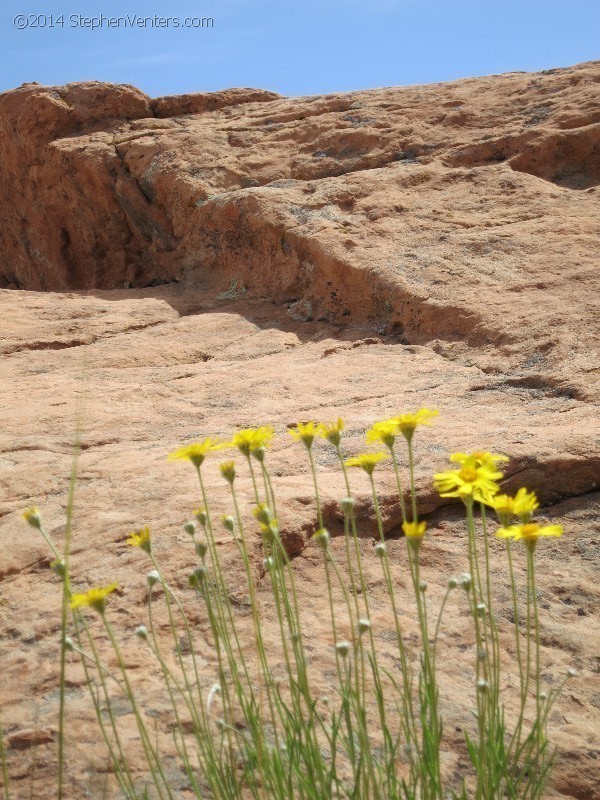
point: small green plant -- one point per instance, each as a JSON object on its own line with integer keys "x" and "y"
{"x": 242, "y": 731}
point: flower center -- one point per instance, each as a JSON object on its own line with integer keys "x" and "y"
{"x": 468, "y": 474}
{"x": 530, "y": 529}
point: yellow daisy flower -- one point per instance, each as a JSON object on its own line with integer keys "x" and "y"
{"x": 94, "y": 598}
{"x": 305, "y": 432}
{"x": 196, "y": 453}
{"x": 414, "y": 530}
{"x": 473, "y": 480}
{"x": 227, "y": 469}
{"x": 504, "y": 506}
{"x": 525, "y": 504}
{"x": 529, "y": 532}
{"x": 140, "y": 538}
{"x": 384, "y": 432}
{"x": 249, "y": 440}
{"x": 481, "y": 457}
{"x": 407, "y": 423}
{"x": 32, "y": 517}
{"x": 366, "y": 461}
{"x": 332, "y": 431}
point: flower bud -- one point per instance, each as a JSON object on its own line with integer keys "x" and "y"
{"x": 201, "y": 549}
{"x": 571, "y": 672}
{"x": 453, "y": 583}
{"x": 228, "y": 523}
{"x": 268, "y": 563}
{"x": 343, "y": 648}
{"x": 262, "y": 512}
{"x": 152, "y": 578}
{"x": 379, "y": 550}
{"x": 141, "y": 632}
{"x": 228, "y": 471}
{"x": 466, "y": 581}
{"x": 423, "y": 586}
{"x": 59, "y": 567}
{"x": 197, "y": 577}
{"x": 482, "y": 685}
{"x": 481, "y": 609}
{"x": 347, "y": 504}
{"x": 321, "y": 538}
{"x": 215, "y": 689}
{"x": 481, "y": 654}
{"x": 543, "y": 696}
{"x": 270, "y": 531}
{"x": 32, "y": 517}
{"x": 363, "y": 625}
{"x": 190, "y": 527}
{"x": 201, "y": 516}
{"x": 68, "y": 643}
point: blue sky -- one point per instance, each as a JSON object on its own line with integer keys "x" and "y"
{"x": 294, "y": 46}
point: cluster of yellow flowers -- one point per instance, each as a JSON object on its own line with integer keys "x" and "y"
{"x": 475, "y": 480}
{"x": 249, "y": 441}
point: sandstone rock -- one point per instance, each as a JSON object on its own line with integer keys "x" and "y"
{"x": 347, "y": 255}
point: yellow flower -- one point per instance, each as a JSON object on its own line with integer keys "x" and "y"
{"x": 305, "y": 432}
{"x": 414, "y": 530}
{"x": 94, "y": 598}
{"x": 525, "y": 504}
{"x": 196, "y": 453}
{"x": 481, "y": 457}
{"x": 473, "y": 480}
{"x": 366, "y": 461}
{"x": 269, "y": 530}
{"x": 504, "y": 506}
{"x": 32, "y": 517}
{"x": 140, "y": 538}
{"x": 522, "y": 505}
{"x": 262, "y": 512}
{"x": 408, "y": 422}
{"x": 321, "y": 538}
{"x": 332, "y": 431}
{"x": 529, "y": 532}
{"x": 384, "y": 432}
{"x": 227, "y": 469}
{"x": 251, "y": 440}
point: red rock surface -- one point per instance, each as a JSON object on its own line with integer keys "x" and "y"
{"x": 353, "y": 255}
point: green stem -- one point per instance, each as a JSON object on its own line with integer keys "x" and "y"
{"x": 409, "y": 720}
{"x": 151, "y": 756}
{"x": 4, "y": 761}
{"x": 66, "y": 596}
{"x": 398, "y": 482}
{"x": 413, "y": 491}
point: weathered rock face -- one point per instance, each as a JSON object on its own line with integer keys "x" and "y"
{"x": 348, "y": 255}
{"x": 438, "y": 213}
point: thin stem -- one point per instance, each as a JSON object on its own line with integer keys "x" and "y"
{"x": 66, "y": 596}
{"x": 4, "y": 762}
{"x": 151, "y": 755}
{"x": 413, "y": 491}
